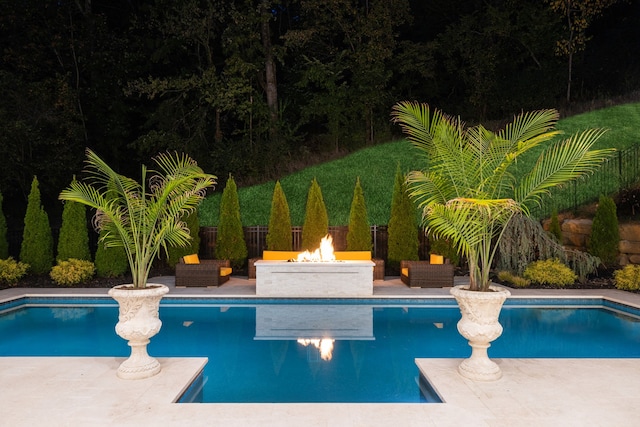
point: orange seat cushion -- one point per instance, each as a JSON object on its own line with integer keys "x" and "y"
{"x": 405, "y": 272}
{"x": 279, "y": 255}
{"x": 191, "y": 259}
{"x": 436, "y": 259}
{"x": 353, "y": 255}
{"x": 225, "y": 271}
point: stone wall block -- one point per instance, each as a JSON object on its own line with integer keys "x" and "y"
{"x": 629, "y": 247}
{"x": 577, "y": 226}
{"x": 574, "y": 239}
{"x": 630, "y": 231}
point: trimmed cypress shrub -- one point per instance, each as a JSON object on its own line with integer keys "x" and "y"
{"x": 73, "y": 241}
{"x": 279, "y": 235}
{"x": 230, "y": 242}
{"x": 176, "y": 252}
{"x": 359, "y": 234}
{"x": 554, "y": 226}
{"x": 316, "y": 220}
{"x": 4, "y": 243}
{"x": 443, "y": 247}
{"x": 110, "y": 262}
{"x": 605, "y": 235}
{"x": 403, "y": 242}
{"x": 37, "y": 241}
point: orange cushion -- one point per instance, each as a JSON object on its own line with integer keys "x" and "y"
{"x": 225, "y": 271}
{"x": 436, "y": 259}
{"x": 405, "y": 272}
{"x": 191, "y": 259}
{"x": 279, "y": 255}
{"x": 353, "y": 255}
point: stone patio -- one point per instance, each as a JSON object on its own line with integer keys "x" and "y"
{"x": 67, "y": 391}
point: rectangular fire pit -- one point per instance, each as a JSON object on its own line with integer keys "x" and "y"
{"x": 314, "y": 279}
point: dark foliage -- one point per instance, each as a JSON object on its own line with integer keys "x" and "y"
{"x": 605, "y": 235}
{"x": 316, "y": 219}
{"x": 359, "y": 234}
{"x": 230, "y": 242}
{"x": 279, "y": 235}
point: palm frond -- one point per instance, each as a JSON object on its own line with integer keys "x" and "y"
{"x": 563, "y": 162}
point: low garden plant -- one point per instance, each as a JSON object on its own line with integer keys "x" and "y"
{"x": 510, "y": 278}
{"x": 72, "y": 272}
{"x": 11, "y": 271}
{"x": 628, "y": 277}
{"x": 550, "y": 272}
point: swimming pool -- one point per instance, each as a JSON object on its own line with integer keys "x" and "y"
{"x": 255, "y": 356}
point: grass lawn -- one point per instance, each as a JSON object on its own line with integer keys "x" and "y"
{"x": 376, "y": 168}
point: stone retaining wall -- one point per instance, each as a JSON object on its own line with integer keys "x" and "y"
{"x": 576, "y": 232}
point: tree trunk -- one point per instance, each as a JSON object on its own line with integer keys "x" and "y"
{"x": 270, "y": 69}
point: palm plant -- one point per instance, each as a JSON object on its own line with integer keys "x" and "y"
{"x": 469, "y": 189}
{"x": 142, "y": 220}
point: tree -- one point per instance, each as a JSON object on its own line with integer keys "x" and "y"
{"x": 346, "y": 53}
{"x": 37, "y": 241}
{"x": 73, "y": 240}
{"x": 174, "y": 253}
{"x": 493, "y": 52}
{"x": 604, "y": 240}
{"x": 402, "y": 230}
{"x": 554, "y": 226}
{"x": 279, "y": 236}
{"x": 4, "y": 243}
{"x": 359, "y": 234}
{"x": 110, "y": 261}
{"x": 578, "y": 16}
{"x": 316, "y": 219}
{"x": 468, "y": 192}
{"x": 230, "y": 242}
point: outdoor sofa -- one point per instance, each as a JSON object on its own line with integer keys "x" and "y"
{"x": 424, "y": 274}
{"x": 191, "y": 271}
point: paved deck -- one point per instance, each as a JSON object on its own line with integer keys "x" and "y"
{"x": 68, "y": 391}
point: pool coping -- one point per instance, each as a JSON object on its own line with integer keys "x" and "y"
{"x": 532, "y": 391}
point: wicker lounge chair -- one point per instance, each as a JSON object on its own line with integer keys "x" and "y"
{"x": 423, "y": 274}
{"x": 208, "y": 272}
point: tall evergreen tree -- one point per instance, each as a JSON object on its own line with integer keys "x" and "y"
{"x": 402, "y": 231}
{"x": 110, "y": 262}
{"x": 37, "y": 241}
{"x": 176, "y": 252}
{"x": 605, "y": 234}
{"x": 230, "y": 242}
{"x": 4, "y": 243}
{"x": 73, "y": 241}
{"x": 359, "y": 234}
{"x": 316, "y": 219}
{"x": 279, "y": 235}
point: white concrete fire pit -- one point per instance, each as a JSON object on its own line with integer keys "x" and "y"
{"x": 322, "y": 279}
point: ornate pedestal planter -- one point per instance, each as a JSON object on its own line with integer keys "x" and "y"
{"x": 137, "y": 322}
{"x": 479, "y": 324}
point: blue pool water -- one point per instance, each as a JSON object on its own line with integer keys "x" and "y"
{"x": 254, "y": 355}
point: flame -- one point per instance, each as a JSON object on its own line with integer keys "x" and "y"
{"x": 325, "y": 345}
{"x": 323, "y": 253}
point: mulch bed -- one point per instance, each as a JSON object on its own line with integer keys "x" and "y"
{"x": 44, "y": 281}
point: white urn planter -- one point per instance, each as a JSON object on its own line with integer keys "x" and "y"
{"x": 138, "y": 321}
{"x": 479, "y": 324}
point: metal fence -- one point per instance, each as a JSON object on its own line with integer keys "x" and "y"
{"x": 256, "y": 240}
{"x": 619, "y": 172}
